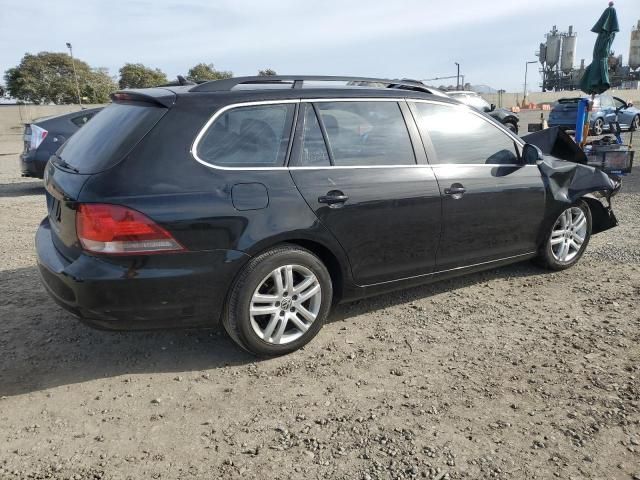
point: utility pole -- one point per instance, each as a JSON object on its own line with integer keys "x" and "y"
{"x": 458, "y": 76}
{"x": 526, "y": 67}
{"x": 73, "y": 63}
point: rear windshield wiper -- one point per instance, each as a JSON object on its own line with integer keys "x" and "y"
{"x": 62, "y": 163}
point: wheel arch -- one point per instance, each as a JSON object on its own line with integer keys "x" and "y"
{"x": 328, "y": 257}
{"x": 330, "y": 254}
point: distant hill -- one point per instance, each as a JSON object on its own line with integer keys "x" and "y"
{"x": 483, "y": 89}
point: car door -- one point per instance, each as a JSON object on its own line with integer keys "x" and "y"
{"x": 355, "y": 165}
{"x": 625, "y": 116}
{"x": 608, "y": 109}
{"x": 492, "y": 204}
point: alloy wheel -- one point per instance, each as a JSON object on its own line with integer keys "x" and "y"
{"x": 635, "y": 124}
{"x": 568, "y": 234}
{"x": 598, "y": 127}
{"x": 285, "y": 304}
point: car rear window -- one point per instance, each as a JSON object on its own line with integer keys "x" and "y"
{"x": 568, "y": 101}
{"x": 109, "y": 136}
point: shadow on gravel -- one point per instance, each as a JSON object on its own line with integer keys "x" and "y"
{"x": 42, "y": 346}
{"x": 21, "y": 189}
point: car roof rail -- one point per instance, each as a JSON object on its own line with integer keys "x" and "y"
{"x": 297, "y": 81}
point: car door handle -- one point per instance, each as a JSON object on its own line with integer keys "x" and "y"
{"x": 333, "y": 197}
{"x": 455, "y": 190}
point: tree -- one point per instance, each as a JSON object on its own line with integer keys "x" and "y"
{"x": 204, "y": 72}
{"x": 267, "y": 72}
{"x": 136, "y": 75}
{"x": 48, "y": 78}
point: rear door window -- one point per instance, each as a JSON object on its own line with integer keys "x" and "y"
{"x": 250, "y": 136}
{"x": 366, "y": 133}
{"x": 314, "y": 150}
{"x": 110, "y": 136}
{"x": 462, "y": 137}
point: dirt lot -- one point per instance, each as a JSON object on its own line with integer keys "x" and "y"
{"x": 514, "y": 373}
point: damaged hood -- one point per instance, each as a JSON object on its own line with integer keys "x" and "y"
{"x": 564, "y": 167}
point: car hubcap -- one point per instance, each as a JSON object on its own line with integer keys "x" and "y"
{"x": 636, "y": 123}
{"x": 568, "y": 234}
{"x": 597, "y": 127}
{"x": 285, "y": 304}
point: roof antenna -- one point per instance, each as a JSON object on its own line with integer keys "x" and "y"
{"x": 184, "y": 81}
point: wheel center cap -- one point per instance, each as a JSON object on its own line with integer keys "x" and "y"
{"x": 286, "y": 303}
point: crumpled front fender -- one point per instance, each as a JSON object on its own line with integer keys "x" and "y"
{"x": 567, "y": 182}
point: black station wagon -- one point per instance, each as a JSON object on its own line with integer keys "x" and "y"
{"x": 260, "y": 202}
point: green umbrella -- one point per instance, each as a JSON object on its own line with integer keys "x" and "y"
{"x": 596, "y": 76}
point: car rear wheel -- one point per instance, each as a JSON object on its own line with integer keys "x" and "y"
{"x": 598, "y": 126}
{"x": 279, "y": 301}
{"x": 568, "y": 238}
{"x": 635, "y": 123}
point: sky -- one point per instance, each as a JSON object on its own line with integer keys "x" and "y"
{"x": 393, "y": 39}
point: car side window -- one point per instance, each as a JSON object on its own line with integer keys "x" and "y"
{"x": 82, "y": 119}
{"x": 366, "y": 133}
{"x": 314, "y": 150}
{"x": 250, "y": 136}
{"x": 462, "y": 137}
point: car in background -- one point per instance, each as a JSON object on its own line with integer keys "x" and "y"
{"x": 502, "y": 115}
{"x": 605, "y": 110}
{"x": 45, "y": 135}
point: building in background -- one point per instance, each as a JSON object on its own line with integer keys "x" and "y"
{"x": 558, "y": 69}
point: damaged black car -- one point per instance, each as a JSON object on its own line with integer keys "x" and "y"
{"x": 260, "y": 202}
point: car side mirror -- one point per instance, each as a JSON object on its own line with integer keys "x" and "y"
{"x": 493, "y": 107}
{"x": 531, "y": 154}
{"x": 629, "y": 105}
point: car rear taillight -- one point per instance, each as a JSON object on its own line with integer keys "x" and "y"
{"x": 38, "y": 134}
{"x": 113, "y": 229}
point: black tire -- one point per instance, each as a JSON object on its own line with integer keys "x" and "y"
{"x": 598, "y": 127}
{"x": 635, "y": 124}
{"x": 546, "y": 257}
{"x": 513, "y": 126}
{"x": 237, "y": 319}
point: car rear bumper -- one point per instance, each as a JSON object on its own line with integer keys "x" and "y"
{"x": 154, "y": 291}
{"x": 30, "y": 166}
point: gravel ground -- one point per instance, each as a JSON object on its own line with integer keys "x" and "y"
{"x": 514, "y": 373}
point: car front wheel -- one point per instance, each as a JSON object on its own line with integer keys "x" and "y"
{"x": 568, "y": 238}
{"x": 598, "y": 127}
{"x": 635, "y": 123}
{"x": 279, "y": 301}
